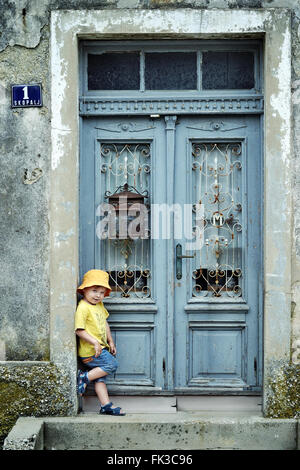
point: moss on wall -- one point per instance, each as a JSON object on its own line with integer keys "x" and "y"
{"x": 283, "y": 398}
{"x": 32, "y": 390}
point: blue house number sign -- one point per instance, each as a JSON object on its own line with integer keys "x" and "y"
{"x": 26, "y": 96}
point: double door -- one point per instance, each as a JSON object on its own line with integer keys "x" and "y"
{"x": 185, "y": 270}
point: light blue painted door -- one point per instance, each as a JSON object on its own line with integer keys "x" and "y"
{"x": 184, "y": 325}
{"x": 115, "y": 152}
{"x": 217, "y": 298}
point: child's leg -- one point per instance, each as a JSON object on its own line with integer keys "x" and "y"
{"x": 85, "y": 377}
{"x": 96, "y": 373}
{"x": 102, "y": 394}
{"x": 109, "y": 363}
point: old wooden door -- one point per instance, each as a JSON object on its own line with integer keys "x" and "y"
{"x": 176, "y": 127}
{"x": 217, "y": 295}
{"x": 181, "y": 324}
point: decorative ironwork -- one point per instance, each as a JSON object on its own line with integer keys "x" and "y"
{"x": 130, "y": 281}
{"x": 217, "y": 180}
{"x": 125, "y": 170}
{"x": 128, "y": 193}
{"x": 125, "y": 163}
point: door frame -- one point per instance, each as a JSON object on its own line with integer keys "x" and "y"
{"x": 67, "y": 27}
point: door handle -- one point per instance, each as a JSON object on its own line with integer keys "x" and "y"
{"x": 179, "y": 258}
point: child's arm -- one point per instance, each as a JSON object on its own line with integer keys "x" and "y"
{"x": 89, "y": 339}
{"x": 110, "y": 341}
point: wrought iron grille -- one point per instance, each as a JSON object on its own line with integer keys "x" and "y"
{"x": 127, "y": 259}
{"x": 217, "y": 184}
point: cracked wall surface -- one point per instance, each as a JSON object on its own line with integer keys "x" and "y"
{"x": 24, "y": 246}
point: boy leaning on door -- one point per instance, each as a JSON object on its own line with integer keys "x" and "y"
{"x": 96, "y": 349}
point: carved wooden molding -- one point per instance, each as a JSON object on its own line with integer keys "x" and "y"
{"x": 204, "y": 105}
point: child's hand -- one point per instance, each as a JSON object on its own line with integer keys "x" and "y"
{"x": 112, "y": 348}
{"x": 98, "y": 349}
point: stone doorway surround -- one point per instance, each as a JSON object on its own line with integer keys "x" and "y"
{"x": 67, "y": 27}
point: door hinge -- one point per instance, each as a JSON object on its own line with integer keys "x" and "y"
{"x": 255, "y": 365}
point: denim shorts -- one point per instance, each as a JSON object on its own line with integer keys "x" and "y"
{"x": 106, "y": 361}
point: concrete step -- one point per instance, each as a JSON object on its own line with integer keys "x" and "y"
{"x": 165, "y": 404}
{"x": 158, "y": 431}
{"x": 133, "y": 404}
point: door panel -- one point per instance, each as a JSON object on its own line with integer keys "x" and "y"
{"x": 217, "y": 300}
{"x": 199, "y": 330}
{"x": 216, "y": 352}
{"x": 135, "y": 354}
{"x": 115, "y": 152}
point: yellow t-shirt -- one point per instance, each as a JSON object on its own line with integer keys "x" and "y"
{"x": 92, "y": 319}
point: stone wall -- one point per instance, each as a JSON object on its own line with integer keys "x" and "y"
{"x": 32, "y": 389}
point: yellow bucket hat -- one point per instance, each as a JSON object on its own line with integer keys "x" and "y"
{"x": 95, "y": 277}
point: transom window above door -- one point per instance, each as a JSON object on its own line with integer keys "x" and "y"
{"x": 153, "y": 67}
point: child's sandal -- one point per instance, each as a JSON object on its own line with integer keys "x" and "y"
{"x": 108, "y": 410}
{"x": 82, "y": 381}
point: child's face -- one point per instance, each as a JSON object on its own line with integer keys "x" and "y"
{"x": 94, "y": 294}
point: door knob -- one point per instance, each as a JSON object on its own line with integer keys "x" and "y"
{"x": 179, "y": 258}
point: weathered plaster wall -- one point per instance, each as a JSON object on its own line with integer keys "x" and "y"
{"x": 295, "y": 310}
{"x": 24, "y": 191}
{"x": 25, "y": 172}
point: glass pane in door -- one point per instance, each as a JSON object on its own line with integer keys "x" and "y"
{"x": 217, "y": 185}
{"x": 125, "y": 172}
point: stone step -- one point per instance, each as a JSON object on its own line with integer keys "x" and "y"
{"x": 133, "y": 404}
{"x": 165, "y": 404}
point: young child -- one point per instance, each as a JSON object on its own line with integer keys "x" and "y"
{"x": 96, "y": 348}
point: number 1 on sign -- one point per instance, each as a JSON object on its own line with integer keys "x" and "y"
{"x": 25, "y": 90}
